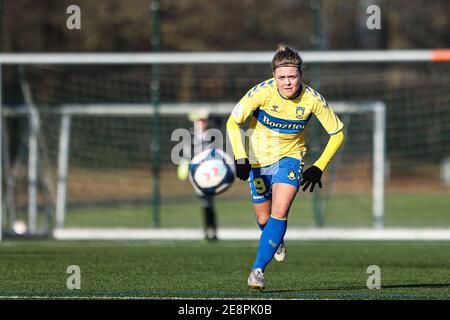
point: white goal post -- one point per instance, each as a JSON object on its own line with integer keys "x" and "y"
{"x": 67, "y": 112}
{"x": 371, "y": 56}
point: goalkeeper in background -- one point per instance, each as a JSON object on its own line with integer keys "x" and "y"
{"x": 279, "y": 110}
{"x": 201, "y": 122}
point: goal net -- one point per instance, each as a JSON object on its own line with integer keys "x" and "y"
{"x": 90, "y": 146}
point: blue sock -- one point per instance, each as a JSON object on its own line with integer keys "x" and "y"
{"x": 261, "y": 226}
{"x": 271, "y": 238}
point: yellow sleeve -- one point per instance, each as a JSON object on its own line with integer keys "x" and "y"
{"x": 252, "y": 100}
{"x": 326, "y": 116}
{"x": 331, "y": 148}
{"x": 249, "y": 103}
{"x": 235, "y": 136}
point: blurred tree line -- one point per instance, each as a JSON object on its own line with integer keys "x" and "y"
{"x": 244, "y": 25}
{"x": 194, "y": 25}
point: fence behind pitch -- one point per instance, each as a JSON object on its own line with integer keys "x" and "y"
{"x": 115, "y": 180}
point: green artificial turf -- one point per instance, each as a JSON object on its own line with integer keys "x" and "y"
{"x": 401, "y": 210}
{"x": 196, "y": 269}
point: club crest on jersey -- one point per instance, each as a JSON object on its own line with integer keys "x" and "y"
{"x": 275, "y": 108}
{"x": 299, "y": 112}
{"x": 291, "y": 175}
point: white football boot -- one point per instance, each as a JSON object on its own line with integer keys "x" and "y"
{"x": 256, "y": 279}
{"x": 281, "y": 252}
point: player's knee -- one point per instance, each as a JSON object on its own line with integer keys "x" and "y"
{"x": 280, "y": 210}
{"x": 262, "y": 219}
{"x": 280, "y": 214}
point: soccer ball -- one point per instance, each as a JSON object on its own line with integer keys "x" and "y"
{"x": 20, "y": 227}
{"x": 211, "y": 172}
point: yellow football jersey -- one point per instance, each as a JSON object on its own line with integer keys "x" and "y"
{"x": 277, "y": 123}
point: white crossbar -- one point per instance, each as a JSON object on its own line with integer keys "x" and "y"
{"x": 365, "y": 56}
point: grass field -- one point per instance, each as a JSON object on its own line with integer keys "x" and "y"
{"x": 401, "y": 210}
{"x": 158, "y": 269}
{"x": 195, "y": 269}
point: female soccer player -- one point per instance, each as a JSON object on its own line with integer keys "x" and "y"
{"x": 280, "y": 108}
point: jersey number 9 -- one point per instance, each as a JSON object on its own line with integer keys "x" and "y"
{"x": 259, "y": 185}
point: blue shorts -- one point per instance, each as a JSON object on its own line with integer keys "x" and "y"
{"x": 286, "y": 170}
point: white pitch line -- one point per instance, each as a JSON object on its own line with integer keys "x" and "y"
{"x": 137, "y": 298}
{"x": 429, "y": 234}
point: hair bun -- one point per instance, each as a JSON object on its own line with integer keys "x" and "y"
{"x": 285, "y": 57}
{"x": 281, "y": 47}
